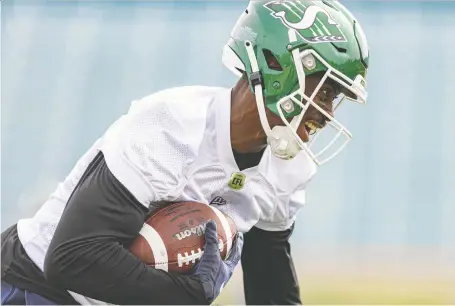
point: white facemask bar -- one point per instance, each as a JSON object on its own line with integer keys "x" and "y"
{"x": 333, "y": 123}
{"x": 355, "y": 87}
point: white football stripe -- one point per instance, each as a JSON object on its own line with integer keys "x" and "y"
{"x": 157, "y": 245}
{"x": 226, "y": 227}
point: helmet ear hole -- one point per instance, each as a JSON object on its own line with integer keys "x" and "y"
{"x": 272, "y": 61}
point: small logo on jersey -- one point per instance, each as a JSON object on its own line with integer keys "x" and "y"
{"x": 218, "y": 201}
{"x": 237, "y": 181}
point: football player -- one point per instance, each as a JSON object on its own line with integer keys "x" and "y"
{"x": 250, "y": 150}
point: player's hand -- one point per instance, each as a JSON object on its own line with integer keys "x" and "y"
{"x": 213, "y": 272}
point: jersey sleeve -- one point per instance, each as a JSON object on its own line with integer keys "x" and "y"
{"x": 283, "y": 219}
{"x": 297, "y": 201}
{"x": 285, "y": 192}
{"x": 149, "y": 148}
{"x": 88, "y": 253}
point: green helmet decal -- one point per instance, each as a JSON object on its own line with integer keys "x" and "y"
{"x": 313, "y": 23}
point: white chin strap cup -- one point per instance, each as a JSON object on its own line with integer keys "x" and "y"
{"x": 282, "y": 143}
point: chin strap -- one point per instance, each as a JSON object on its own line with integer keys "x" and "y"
{"x": 257, "y": 82}
{"x": 280, "y": 139}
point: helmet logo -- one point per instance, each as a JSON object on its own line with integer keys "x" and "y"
{"x": 313, "y": 23}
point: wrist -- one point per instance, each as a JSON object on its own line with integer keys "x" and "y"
{"x": 203, "y": 291}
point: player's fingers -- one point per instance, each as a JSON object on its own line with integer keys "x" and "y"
{"x": 209, "y": 261}
{"x": 236, "y": 252}
{"x": 211, "y": 237}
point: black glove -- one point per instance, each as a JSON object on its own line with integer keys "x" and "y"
{"x": 213, "y": 272}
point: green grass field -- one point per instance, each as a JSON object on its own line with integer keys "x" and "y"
{"x": 427, "y": 278}
{"x": 322, "y": 291}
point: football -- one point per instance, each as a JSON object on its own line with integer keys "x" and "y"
{"x": 172, "y": 239}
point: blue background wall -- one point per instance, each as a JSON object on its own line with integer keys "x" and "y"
{"x": 70, "y": 69}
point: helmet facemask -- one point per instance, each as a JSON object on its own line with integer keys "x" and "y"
{"x": 284, "y": 141}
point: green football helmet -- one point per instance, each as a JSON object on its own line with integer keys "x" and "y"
{"x": 305, "y": 37}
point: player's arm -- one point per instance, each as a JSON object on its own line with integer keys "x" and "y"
{"x": 88, "y": 253}
{"x": 268, "y": 270}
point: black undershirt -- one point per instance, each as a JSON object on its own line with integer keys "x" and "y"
{"x": 88, "y": 253}
{"x": 269, "y": 276}
{"x": 247, "y": 160}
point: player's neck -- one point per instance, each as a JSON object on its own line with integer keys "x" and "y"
{"x": 247, "y": 134}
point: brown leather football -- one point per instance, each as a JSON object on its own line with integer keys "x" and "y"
{"x": 172, "y": 239}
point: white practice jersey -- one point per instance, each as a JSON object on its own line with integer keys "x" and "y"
{"x": 175, "y": 146}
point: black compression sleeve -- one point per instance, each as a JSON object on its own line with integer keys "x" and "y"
{"x": 88, "y": 252}
{"x": 268, "y": 270}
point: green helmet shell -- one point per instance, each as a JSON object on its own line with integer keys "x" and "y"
{"x": 327, "y": 27}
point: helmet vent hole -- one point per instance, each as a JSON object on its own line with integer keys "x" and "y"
{"x": 246, "y": 11}
{"x": 272, "y": 61}
{"x": 339, "y": 49}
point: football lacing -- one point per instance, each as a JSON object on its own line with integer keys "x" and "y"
{"x": 186, "y": 258}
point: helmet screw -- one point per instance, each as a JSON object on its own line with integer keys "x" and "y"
{"x": 289, "y": 47}
{"x": 276, "y": 84}
{"x": 309, "y": 62}
{"x": 288, "y": 107}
